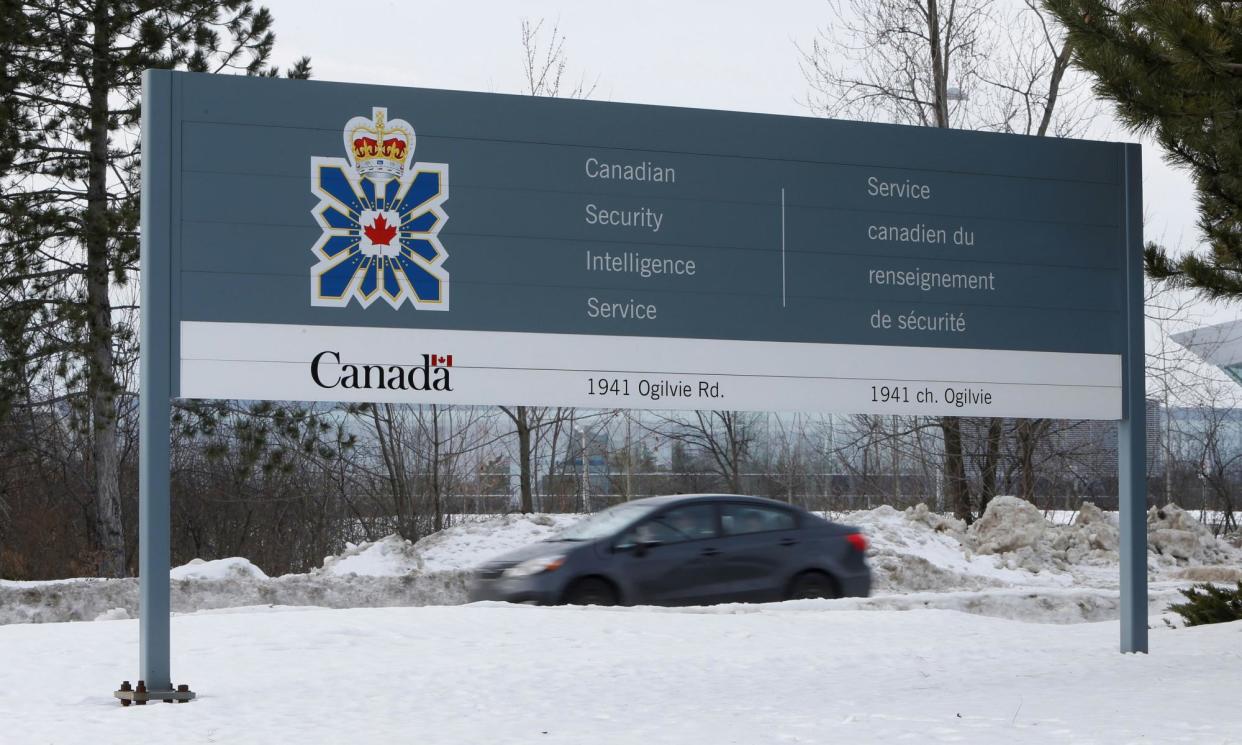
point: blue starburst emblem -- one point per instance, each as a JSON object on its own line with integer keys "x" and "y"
{"x": 381, "y": 217}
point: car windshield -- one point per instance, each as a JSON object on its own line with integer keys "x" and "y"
{"x": 606, "y": 523}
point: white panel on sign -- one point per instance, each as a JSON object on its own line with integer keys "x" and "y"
{"x": 336, "y": 363}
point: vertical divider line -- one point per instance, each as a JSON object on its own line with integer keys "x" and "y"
{"x": 782, "y": 247}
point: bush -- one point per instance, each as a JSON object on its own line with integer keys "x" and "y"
{"x": 1208, "y": 603}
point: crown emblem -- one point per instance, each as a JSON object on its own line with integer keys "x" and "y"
{"x": 380, "y": 212}
{"x": 377, "y": 147}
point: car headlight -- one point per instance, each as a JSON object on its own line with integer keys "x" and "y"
{"x": 534, "y": 566}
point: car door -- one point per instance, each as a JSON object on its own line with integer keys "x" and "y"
{"x": 758, "y": 547}
{"x": 671, "y": 557}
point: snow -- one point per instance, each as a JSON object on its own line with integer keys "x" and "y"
{"x": 916, "y": 550}
{"x": 1003, "y": 631}
{"x": 232, "y": 568}
{"x": 391, "y": 556}
{"x": 1175, "y": 535}
{"x": 802, "y": 672}
{"x": 1012, "y": 563}
{"x": 471, "y": 543}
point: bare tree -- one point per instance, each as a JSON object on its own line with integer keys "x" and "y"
{"x": 725, "y": 437}
{"x": 417, "y": 459}
{"x": 529, "y": 422}
{"x": 1174, "y": 373}
{"x": 544, "y": 63}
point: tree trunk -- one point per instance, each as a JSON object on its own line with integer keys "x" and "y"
{"x": 388, "y": 440}
{"x": 101, "y": 378}
{"x": 438, "y": 505}
{"x": 735, "y": 457}
{"x": 1029, "y": 433}
{"x": 894, "y": 451}
{"x": 987, "y": 472}
{"x": 955, "y": 482}
{"x": 523, "y": 432}
{"x": 939, "y": 65}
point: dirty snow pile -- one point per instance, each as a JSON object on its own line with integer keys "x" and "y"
{"x": 391, "y": 571}
{"x": 917, "y": 551}
{"x": 1013, "y": 545}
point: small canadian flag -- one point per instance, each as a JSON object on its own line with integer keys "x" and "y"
{"x": 442, "y": 360}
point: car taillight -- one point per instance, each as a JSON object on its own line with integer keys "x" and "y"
{"x": 858, "y": 541}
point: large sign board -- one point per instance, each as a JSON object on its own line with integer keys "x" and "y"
{"x": 301, "y": 241}
{"x": 350, "y": 242}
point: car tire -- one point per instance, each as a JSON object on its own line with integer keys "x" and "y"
{"x": 591, "y": 591}
{"x": 813, "y": 585}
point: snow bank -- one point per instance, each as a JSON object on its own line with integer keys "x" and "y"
{"x": 1018, "y": 534}
{"x": 116, "y": 614}
{"x": 1008, "y": 524}
{"x": 231, "y": 568}
{"x": 469, "y": 544}
{"x": 1179, "y": 538}
{"x": 919, "y": 551}
{"x": 391, "y": 556}
{"x": 90, "y": 599}
{"x": 1013, "y": 545}
{"x": 1011, "y": 563}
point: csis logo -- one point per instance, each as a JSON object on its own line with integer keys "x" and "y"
{"x": 433, "y": 374}
{"x": 380, "y": 216}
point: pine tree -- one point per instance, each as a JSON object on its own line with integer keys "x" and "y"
{"x": 1207, "y": 603}
{"x": 69, "y": 112}
{"x": 1174, "y": 70}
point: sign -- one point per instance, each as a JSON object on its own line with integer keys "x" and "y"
{"x": 300, "y": 241}
{"x": 615, "y": 255}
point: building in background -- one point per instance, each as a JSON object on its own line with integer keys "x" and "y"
{"x": 1219, "y": 345}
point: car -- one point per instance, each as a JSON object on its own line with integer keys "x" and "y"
{"x": 694, "y": 549}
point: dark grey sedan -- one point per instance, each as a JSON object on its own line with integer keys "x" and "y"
{"x": 684, "y": 550}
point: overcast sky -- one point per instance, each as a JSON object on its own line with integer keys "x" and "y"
{"x": 739, "y": 55}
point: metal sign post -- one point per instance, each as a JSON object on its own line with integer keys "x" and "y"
{"x": 1132, "y": 431}
{"x": 154, "y": 397}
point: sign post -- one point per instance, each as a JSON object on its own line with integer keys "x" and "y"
{"x": 1132, "y": 431}
{"x": 154, "y": 396}
{"x": 334, "y": 242}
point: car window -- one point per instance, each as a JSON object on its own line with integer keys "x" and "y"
{"x": 739, "y": 519}
{"x": 605, "y": 523}
{"x": 689, "y": 523}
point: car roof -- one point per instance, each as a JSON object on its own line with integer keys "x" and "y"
{"x": 669, "y": 499}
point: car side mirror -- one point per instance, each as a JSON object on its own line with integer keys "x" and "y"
{"x": 642, "y": 547}
{"x": 639, "y": 548}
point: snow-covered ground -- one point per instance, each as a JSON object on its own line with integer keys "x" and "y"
{"x": 799, "y": 672}
{"x": 999, "y": 632}
{"x": 1013, "y": 563}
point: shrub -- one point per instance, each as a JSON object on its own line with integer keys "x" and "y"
{"x": 1208, "y": 603}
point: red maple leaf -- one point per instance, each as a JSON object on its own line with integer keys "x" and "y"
{"x": 380, "y": 232}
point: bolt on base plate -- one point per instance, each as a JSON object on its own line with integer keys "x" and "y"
{"x": 140, "y": 695}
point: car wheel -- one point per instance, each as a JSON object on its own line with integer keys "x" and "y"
{"x": 591, "y": 591}
{"x": 813, "y": 585}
